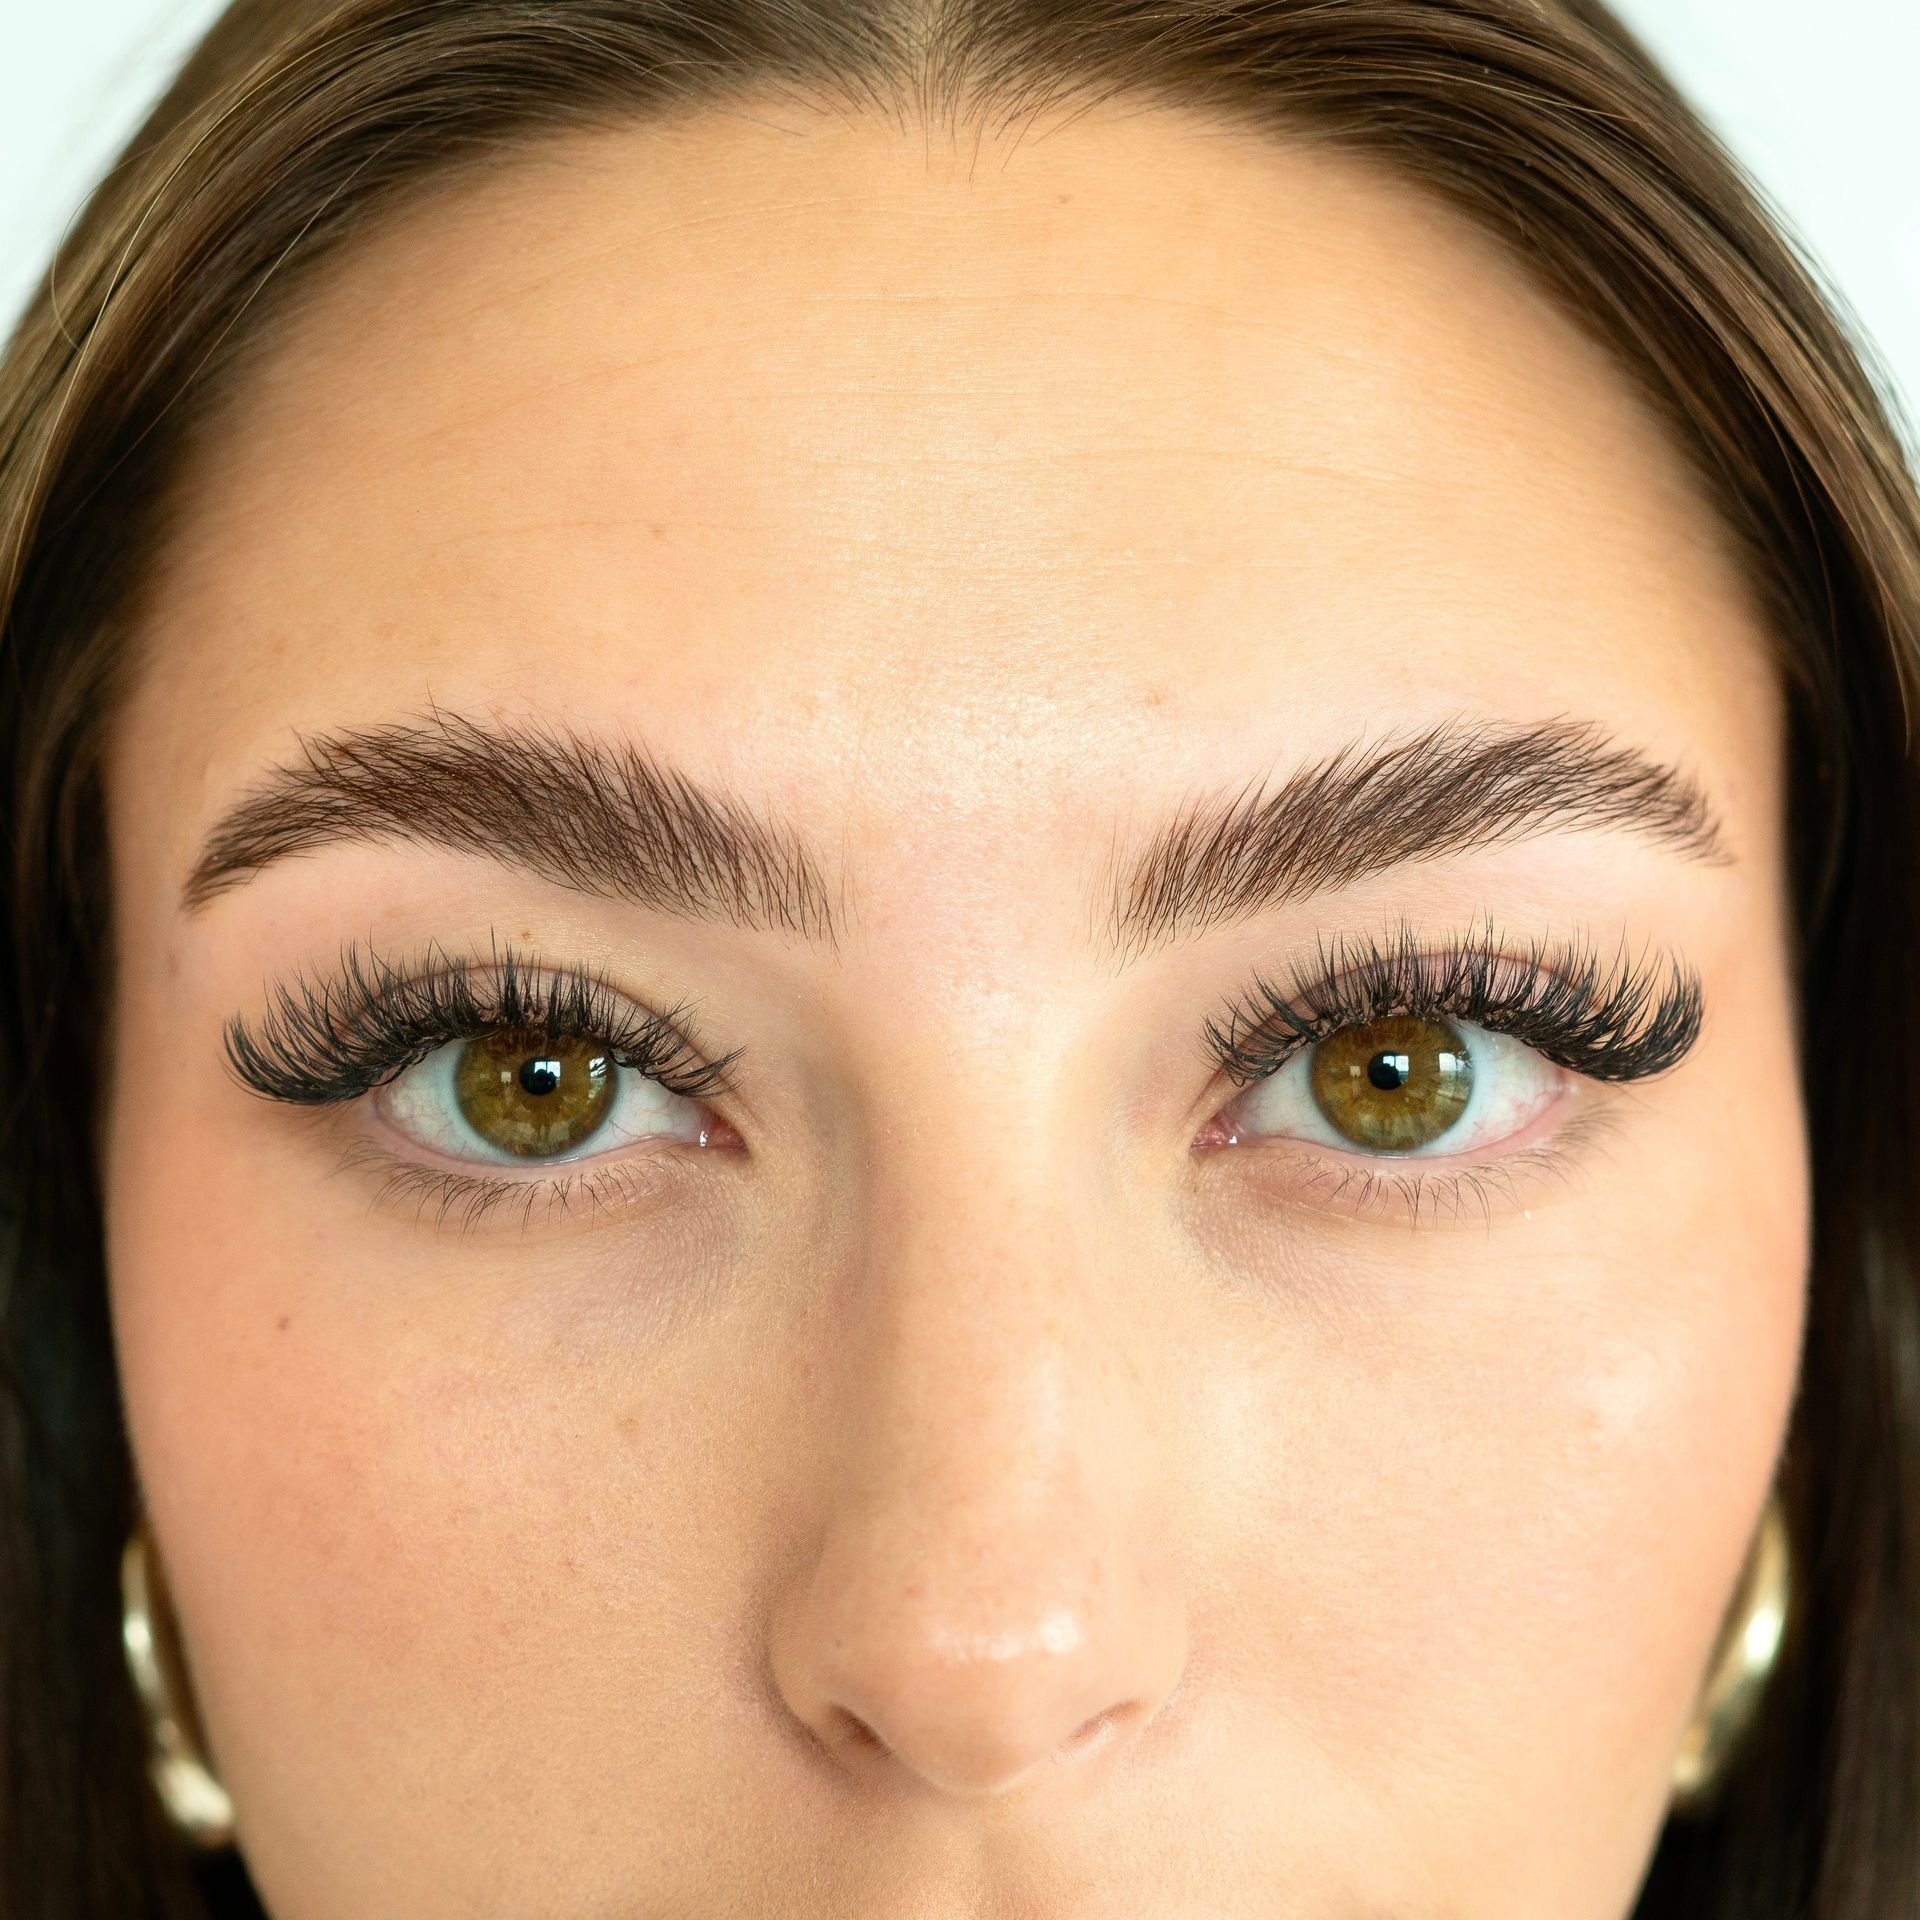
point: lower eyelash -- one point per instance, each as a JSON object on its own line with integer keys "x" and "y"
{"x": 445, "y": 1198}
{"x": 1452, "y": 1196}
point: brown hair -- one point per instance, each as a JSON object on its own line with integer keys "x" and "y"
{"x": 298, "y": 119}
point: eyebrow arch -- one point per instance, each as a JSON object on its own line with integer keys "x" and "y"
{"x": 1453, "y": 789}
{"x": 607, "y": 820}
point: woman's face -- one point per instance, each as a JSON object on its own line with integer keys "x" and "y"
{"x": 1128, "y": 1235}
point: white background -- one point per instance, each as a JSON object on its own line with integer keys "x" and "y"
{"x": 1817, "y": 96}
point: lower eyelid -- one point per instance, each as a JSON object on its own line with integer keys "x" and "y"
{"x": 1424, "y": 1190}
{"x": 469, "y": 1196}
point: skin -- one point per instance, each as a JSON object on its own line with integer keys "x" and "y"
{"x": 970, "y": 506}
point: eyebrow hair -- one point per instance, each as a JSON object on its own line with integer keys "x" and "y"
{"x": 603, "y": 819}
{"x": 1452, "y": 789}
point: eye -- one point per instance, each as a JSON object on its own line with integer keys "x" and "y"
{"x": 519, "y": 1096}
{"x": 1410, "y": 1084}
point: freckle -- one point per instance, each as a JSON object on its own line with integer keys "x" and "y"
{"x": 658, "y": 529}
{"x": 1155, "y": 697}
{"x": 286, "y": 1320}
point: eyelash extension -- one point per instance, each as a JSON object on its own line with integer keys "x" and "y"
{"x": 1616, "y": 1020}
{"x": 322, "y": 1043}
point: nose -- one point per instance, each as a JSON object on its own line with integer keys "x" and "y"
{"x": 988, "y": 1596}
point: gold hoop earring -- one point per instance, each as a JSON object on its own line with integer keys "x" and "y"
{"x": 194, "y": 1800}
{"x": 1743, "y": 1661}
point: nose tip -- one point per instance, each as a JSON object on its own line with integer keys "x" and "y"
{"x": 974, "y": 1711}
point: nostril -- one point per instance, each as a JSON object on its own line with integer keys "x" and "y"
{"x": 1091, "y": 1732}
{"x": 855, "y": 1733}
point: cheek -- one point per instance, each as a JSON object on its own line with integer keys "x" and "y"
{"x": 413, "y": 1515}
{"x": 1634, "y": 1458}
{"x": 1627, "y": 1532}
{"x": 1494, "y": 1485}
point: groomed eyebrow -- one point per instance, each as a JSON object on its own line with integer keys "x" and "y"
{"x": 605, "y": 819}
{"x": 1453, "y": 789}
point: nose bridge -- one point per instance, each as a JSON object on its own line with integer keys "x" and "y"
{"x": 991, "y": 1334}
{"x": 987, "y": 1591}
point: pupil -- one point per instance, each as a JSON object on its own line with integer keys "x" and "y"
{"x": 538, "y": 1075}
{"x": 1389, "y": 1072}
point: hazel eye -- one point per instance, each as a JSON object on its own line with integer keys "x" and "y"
{"x": 1392, "y": 1086}
{"x": 530, "y": 1096}
{"x": 524, "y": 1096}
{"x": 1404, "y": 1085}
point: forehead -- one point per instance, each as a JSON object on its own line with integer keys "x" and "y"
{"x": 826, "y": 452}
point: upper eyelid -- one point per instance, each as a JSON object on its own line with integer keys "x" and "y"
{"x": 300, "y": 1013}
{"x": 1647, "y": 1012}
{"x": 314, "y": 1028}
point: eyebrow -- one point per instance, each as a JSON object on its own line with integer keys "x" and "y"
{"x": 1452, "y": 789}
{"x": 610, "y": 820}
{"x": 600, "y": 818}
